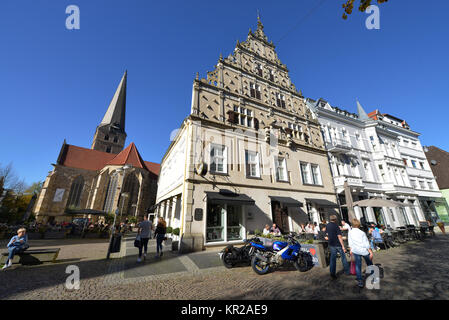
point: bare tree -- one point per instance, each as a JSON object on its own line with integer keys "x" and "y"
{"x": 11, "y": 180}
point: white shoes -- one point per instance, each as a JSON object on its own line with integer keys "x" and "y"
{"x": 7, "y": 265}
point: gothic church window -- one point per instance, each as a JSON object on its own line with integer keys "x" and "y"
{"x": 75, "y": 192}
{"x": 110, "y": 194}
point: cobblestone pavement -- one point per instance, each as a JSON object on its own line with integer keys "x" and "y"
{"x": 416, "y": 270}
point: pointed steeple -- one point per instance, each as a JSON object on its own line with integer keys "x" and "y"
{"x": 115, "y": 115}
{"x": 361, "y": 112}
{"x": 110, "y": 135}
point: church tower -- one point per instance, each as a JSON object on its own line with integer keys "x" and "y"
{"x": 110, "y": 135}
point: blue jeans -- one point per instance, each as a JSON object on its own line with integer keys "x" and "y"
{"x": 159, "y": 239}
{"x": 12, "y": 251}
{"x": 358, "y": 264}
{"x": 143, "y": 245}
{"x": 333, "y": 262}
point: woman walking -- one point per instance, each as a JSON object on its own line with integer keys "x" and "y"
{"x": 16, "y": 245}
{"x": 360, "y": 247}
{"x": 160, "y": 235}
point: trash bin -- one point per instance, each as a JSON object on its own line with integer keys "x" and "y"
{"x": 115, "y": 244}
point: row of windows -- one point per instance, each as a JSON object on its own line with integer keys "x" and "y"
{"x": 310, "y": 173}
{"x": 259, "y": 71}
{"x": 255, "y": 92}
{"x": 414, "y": 163}
{"x": 106, "y": 138}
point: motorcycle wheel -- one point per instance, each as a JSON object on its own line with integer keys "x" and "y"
{"x": 227, "y": 260}
{"x": 301, "y": 264}
{"x": 258, "y": 268}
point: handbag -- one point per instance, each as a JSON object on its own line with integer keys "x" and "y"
{"x": 137, "y": 241}
{"x": 352, "y": 268}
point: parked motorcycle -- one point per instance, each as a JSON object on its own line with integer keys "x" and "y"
{"x": 266, "y": 258}
{"x": 230, "y": 256}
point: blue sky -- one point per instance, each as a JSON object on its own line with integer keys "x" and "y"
{"x": 56, "y": 83}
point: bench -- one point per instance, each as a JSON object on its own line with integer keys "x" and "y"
{"x": 31, "y": 257}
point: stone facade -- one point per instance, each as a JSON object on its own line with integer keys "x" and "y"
{"x": 247, "y": 107}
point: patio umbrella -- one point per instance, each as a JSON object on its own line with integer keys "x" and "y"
{"x": 349, "y": 201}
{"x": 379, "y": 202}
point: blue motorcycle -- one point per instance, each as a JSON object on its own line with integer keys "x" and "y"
{"x": 266, "y": 258}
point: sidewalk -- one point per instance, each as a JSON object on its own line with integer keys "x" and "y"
{"x": 170, "y": 263}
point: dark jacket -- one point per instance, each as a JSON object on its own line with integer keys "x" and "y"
{"x": 160, "y": 229}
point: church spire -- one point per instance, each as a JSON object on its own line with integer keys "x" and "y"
{"x": 115, "y": 115}
{"x": 110, "y": 135}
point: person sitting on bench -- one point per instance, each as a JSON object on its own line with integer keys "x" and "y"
{"x": 16, "y": 245}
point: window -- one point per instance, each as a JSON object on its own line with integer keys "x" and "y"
{"x": 368, "y": 173}
{"x": 280, "y": 100}
{"x": 422, "y": 184}
{"x": 108, "y": 149}
{"x": 218, "y": 163}
{"x": 414, "y": 164}
{"x": 421, "y": 164}
{"x": 430, "y": 184}
{"x": 413, "y": 183}
{"x": 255, "y": 91}
{"x": 110, "y": 194}
{"x": 316, "y": 176}
{"x": 405, "y": 161}
{"x": 252, "y": 164}
{"x": 244, "y": 116}
{"x": 259, "y": 69}
{"x": 75, "y": 192}
{"x": 224, "y": 222}
{"x": 106, "y": 137}
{"x": 305, "y": 174}
{"x": 271, "y": 73}
{"x": 281, "y": 169}
{"x": 115, "y": 139}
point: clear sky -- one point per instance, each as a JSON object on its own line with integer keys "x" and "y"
{"x": 56, "y": 84}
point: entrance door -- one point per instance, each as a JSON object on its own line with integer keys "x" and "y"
{"x": 280, "y": 216}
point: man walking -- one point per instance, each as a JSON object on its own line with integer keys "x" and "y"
{"x": 336, "y": 244}
{"x": 145, "y": 233}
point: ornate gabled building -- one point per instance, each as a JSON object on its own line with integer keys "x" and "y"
{"x": 94, "y": 180}
{"x": 250, "y": 153}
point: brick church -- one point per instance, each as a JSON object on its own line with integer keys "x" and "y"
{"x": 102, "y": 179}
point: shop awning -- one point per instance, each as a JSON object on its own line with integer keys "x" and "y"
{"x": 322, "y": 203}
{"x": 287, "y": 201}
{"x": 230, "y": 198}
